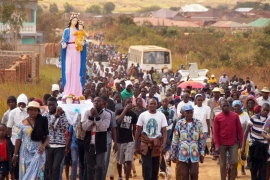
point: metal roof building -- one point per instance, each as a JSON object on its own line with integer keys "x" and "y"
{"x": 193, "y": 8}
{"x": 261, "y": 22}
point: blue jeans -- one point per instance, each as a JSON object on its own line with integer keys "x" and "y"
{"x": 107, "y": 159}
{"x": 74, "y": 157}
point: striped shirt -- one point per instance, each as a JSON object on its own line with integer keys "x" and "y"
{"x": 257, "y": 123}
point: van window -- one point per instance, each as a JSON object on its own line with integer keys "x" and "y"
{"x": 156, "y": 57}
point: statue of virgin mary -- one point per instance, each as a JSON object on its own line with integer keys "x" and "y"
{"x": 73, "y": 61}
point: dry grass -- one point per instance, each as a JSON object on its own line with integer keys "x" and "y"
{"x": 259, "y": 75}
{"x": 130, "y": 6}
{"x": 48, "y": 76}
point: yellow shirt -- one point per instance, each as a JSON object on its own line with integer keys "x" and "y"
{"x": 212, "y": 80}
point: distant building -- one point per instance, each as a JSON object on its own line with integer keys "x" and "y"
{"x": 259, "y": 23}
{"x": 28, "y": 33}
{"x": 163, "y": 22}
{"x": 245, "y": 11}
{"x": 191, "y": 9}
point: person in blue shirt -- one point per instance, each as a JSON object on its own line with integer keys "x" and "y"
{"x": 74, "y": 151}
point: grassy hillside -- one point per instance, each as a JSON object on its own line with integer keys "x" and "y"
{"x": 129, "y": 6}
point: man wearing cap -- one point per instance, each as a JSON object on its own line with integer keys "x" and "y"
{"x": 55, "y": 91}
{"x": 223, "y": 78}
{"x": 188, "y": 145}
{"x": 15, "y": 116}
{"x": 163, "y": 86}
{"x": 127, "y": 92}
{"x": 227, "y": 132}
{"x": 212, "y": 79}
{"x": 12, "y": 103}
{"x": 186, "y": 101}
{"x": 265, "y": 96}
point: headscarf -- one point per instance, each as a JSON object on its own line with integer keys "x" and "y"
{"x": 237, "y": 102}
{"x": 250, "y": 97}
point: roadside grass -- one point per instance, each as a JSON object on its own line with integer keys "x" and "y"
{"x": 49, "y": 75}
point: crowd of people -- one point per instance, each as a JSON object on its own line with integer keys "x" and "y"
{"x": 137, "y": 115}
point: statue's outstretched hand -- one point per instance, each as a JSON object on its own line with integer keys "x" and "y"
{"x": 64, "y": 45}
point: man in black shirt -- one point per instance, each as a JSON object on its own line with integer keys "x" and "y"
{"x": 111, "y": 104}
{"x": 126, "y": 125}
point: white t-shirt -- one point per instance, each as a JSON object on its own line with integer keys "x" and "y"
{"x": 152, "y": 123}
{"x": 202, "y": 113}
{"x": 261, "y": 101}
{"x": 181, "y": 105}
{"x": 223, "y": 79}
{"x": 15, "y": 116}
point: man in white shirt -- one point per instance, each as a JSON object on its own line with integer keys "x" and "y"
{"x": 15, "y": 116}
{"x": 265, "y": 96}
{"x": 185, "y": 101}
{"x": 153, "y": 125}
{"x": 223, "y": 78}
{"x": 163, "y": 86}
{"x": 202, "y": 112}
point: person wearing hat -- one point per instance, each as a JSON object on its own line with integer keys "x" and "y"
{"x": 32, "y": 132}
{"x": 55, "y": 91}
{"x": 212, "y": 79}
{"x": 223, "y": 79}
{"x": 163, "y": 86}
{"x": 188, "y": 145}
{"x": 185, "y": 101}
{"x": 227, "y": 132}
{"x": 265, "y": 96}
{"x": 127, "y": 92}
{"x": 249, "y": 103}
{"x": 132, "y": 79}
{"x": 12, "y": 103}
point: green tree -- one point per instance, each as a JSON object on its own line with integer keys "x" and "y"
{"x": 53, "y": 8}
{"x": 48, "y": 22}
{"x": 68, "y": 7}
{"x": 39, "y": 9}
{"x": 108, "y": 7}
{"x": 96, "y": 9}
{"x": 123, "y": 19}
{"x": 12, "y": 13}
{"x": 150, "y": 8}
{"x": 222, "y": 7}
{"x": 175, "y": 8}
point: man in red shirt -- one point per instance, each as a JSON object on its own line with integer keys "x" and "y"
{"x": 227, "y": 132}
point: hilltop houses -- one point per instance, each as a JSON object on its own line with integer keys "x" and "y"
{"x": 28, "y": 33}
{"x": 196, "y": 15}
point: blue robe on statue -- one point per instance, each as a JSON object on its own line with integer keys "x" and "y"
{"x": 63, "y": 59}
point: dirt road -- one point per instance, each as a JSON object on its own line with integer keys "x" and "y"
{"x": 209, "y": 170}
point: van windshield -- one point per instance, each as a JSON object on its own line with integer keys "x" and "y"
{"x": 156, "y": 57}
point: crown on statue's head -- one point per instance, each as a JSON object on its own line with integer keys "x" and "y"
{"x": 74, "y": 15}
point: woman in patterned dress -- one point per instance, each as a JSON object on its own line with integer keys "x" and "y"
{"x": 31, "y": 140}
